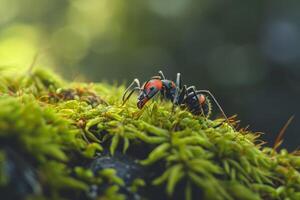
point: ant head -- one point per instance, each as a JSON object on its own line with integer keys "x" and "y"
{"x": 151, "y": 88}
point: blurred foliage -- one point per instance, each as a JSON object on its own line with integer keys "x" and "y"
{"x": 60, "y": 126}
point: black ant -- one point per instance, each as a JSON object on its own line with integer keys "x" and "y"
{"x": 195, "y": 101}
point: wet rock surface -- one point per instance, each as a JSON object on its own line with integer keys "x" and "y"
{"x": 127, "y": 169}
{"x": 20, "y": 177}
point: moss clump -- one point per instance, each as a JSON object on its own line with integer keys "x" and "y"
{"x": 58, "y": 128}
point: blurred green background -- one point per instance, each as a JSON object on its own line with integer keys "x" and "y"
{"x": 246, "y": 52}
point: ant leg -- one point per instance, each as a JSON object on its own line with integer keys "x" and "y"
{"x": 178, "y": 91}
{"x": 191, "y": 89}
{"x": 182, "y": 95}
{"x": 178, "y": 81}
{"x": 135, "y": 81}
{"x": 179, "y": 97}
{"x": 216, "y": 102}
{"x": 161, "y": 74}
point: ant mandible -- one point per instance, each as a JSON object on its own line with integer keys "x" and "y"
{"x": 195, "y": 101}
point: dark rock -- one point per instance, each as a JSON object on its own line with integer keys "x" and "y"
{"x": 126, "y": 167}
{"x": 21, "y": 179}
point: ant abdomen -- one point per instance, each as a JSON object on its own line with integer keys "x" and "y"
{"x": 198, "y": 108}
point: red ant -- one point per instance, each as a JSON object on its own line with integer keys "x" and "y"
{"x": 195, "y": 101}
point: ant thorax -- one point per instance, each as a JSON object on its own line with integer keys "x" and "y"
{"x": 169, "y": 89}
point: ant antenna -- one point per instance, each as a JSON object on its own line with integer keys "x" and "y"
{"x": 135, "y": 81}
{"x": 132, "y": 91}
{"x": 216, "y": 102}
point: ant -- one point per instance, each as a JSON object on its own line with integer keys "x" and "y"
{"x": 196, "y": 101}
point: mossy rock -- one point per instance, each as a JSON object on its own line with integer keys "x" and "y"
{"x": 59, "y": 130}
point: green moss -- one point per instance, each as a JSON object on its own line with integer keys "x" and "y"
{"x": 60, "y": 126}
